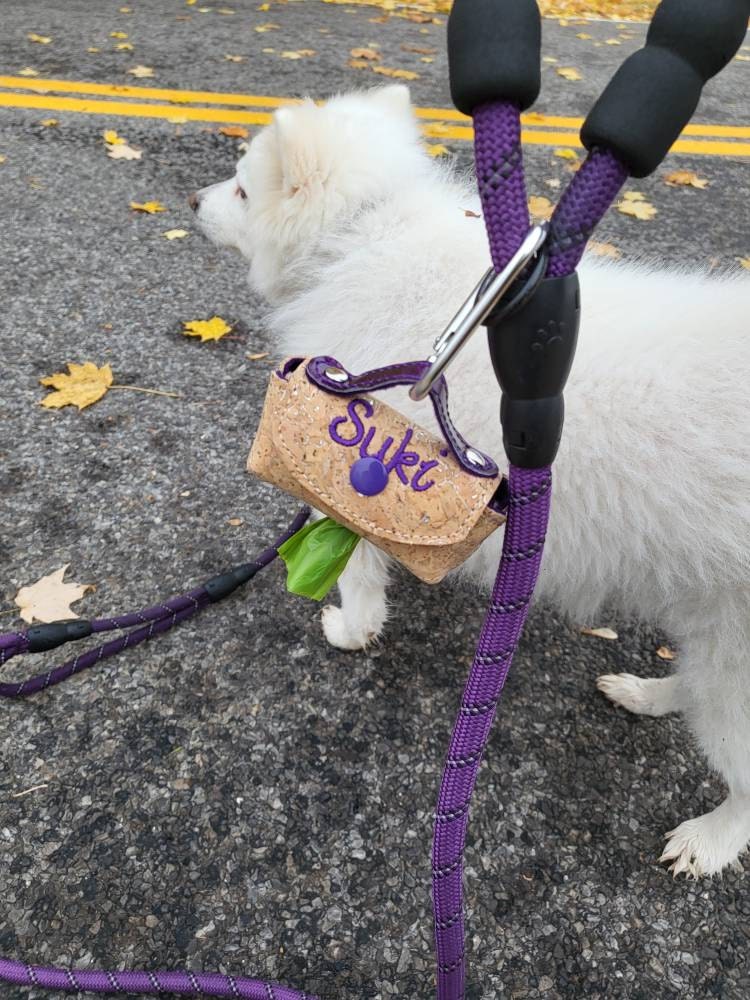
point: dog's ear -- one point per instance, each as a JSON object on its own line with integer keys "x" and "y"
{"x": 299, "y": 145}
{"x": 394, "y": 98}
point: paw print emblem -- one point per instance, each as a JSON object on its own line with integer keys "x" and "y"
{"x": 546, "y": 340}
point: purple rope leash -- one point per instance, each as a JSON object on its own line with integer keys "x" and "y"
{"x": 186, "y": 984}
{"x": 153, "y": 621}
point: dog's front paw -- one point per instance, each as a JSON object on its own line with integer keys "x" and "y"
{"x": 708, "y": 844}
{"x": 642, "y": 696}
{"x": 340, "y": 634}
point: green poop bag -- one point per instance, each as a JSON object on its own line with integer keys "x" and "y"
{"x": 316, "y": 556}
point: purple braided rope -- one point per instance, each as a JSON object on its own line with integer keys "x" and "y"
{"x": 154, "y": 620}
{"x": 528, "y": 511}
{"x": 499, "y": 167}
{"x": 588, "y": 196}
{"x": 186, "y": 984}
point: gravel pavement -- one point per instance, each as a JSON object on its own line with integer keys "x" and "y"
{"x": 237, "y": 795}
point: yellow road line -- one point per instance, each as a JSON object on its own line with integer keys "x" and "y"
{"x": 182, "y": 97}
{"x": 129, "y": 109}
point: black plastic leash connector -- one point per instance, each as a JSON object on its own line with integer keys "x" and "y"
{"x": 654, "y": 93}
{"x": 42, "y": 638}
{"x": 532, "y": 350}
{"x": 221, "y": 586}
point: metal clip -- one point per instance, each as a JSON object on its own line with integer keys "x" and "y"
{"x": 476, "y": 309}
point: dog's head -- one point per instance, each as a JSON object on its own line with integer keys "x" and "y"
{"x": 306, "y": 173}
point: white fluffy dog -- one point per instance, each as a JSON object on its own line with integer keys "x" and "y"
{"x": 363, "y": 247}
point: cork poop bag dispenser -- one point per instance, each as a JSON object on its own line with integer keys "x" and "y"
{"x": 427, "y": 502}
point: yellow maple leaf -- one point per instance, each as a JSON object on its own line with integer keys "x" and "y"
{"x": 207, "y": 329}
{"x": 83, "y": 385}
{"x": 686, "y": 178}
{"x": 540, "y": 208}
{"x": 235, "y": 131}
{"x": 569, "y": 73}
{"x": 642, "y": 210}
{"x": 176, "y": 234}
{"x": 150, "y": 207}
{"x": 40, "y": 39}
{"x": 28, "y": 71}
{"x": 436, "y": 149}
{"x": 370, "y": 54}
{"x": 437, "y": 130}
{"x": 118, "y": 34}
{"x": 112, "y": 138}
{"x": 397, "y": 74}
{"x": 141, "y": 71}
{"x": 566, "y": 153}
{"x": 49, "y": 599}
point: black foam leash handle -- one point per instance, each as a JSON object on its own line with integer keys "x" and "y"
{"x": 653, "y": 95}
{"x": 494, "y": 52}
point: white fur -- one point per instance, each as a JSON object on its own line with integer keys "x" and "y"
{"x": 363, "y": 247}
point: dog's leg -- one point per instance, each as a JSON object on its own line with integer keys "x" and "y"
{"x": 642, "y": 696}
{"x": 361, "y": 617}
{"x": 715, "y": 676}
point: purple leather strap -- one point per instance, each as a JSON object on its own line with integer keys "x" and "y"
{"x": 319, "y": 371}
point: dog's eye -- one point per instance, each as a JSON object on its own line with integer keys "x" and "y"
{"x": 241, "y": 192}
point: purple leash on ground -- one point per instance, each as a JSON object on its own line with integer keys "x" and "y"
{"x": 501, "y": 185}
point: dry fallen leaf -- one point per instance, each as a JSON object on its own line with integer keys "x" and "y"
{"x": 637, "y": 207}
{"x": 566, "y": 153}
{"x": 112, "y": 138}
{"x": 569, "y": 73}
{"x": 93, "y": 48}
{"x": 421, "y": 50}
{"x": 2, "y": 159}
{"x": 436, "y": 149}
{"x": 141, "y": 71}
{"x": 398, "y": 74}
{"x": 41, "y": 39}
{"x": 686, "y": 178}
{"x": 370, "y": 54}
{"x": 743, "y": 261}
{"x": 471, "y": 215}
{"x": 84, "y": 385}
{"x": 438, "y": 130}
{"x": 359, "y": 64}
{"x": 207, "y": 329}
{"x": 28, "y": 71}
{"x": 262, "y": 28}
{"x": 582, "y": 34}
{"x": 235, "y": 521}
{"x": 150, "y": 207}
{"x": 230, "y": 58}
{"x": 613, "y": 41}
{"x": 604, "y": 249}
{"x": 49, "y": 122}
{"x": 124, "y": 47}
{"x": 600, "y": 633}
{"x": 176, "y": 234}
{"x": 299, "y": 54}
{"x": 49, "y": 599}
{"x": 665, "y": 653}
{"x": 234, "y": 131}
{"x": 118, "y": 34}
{"x": 124, "y": 152}
{"x": 540, "y": 208}
{"x": 257, "y": 357}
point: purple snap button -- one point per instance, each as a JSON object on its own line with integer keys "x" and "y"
{"x": 368, "y": 476}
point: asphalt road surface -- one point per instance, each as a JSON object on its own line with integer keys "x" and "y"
{"x": 238, "y": 795}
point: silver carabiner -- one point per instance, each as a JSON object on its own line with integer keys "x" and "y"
{"x": 476, "y": 309}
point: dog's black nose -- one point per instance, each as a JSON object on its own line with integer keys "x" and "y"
{"x": 194, "y": 201}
